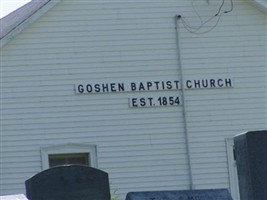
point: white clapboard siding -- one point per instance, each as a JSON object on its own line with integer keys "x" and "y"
{"x": 141, "y": 149}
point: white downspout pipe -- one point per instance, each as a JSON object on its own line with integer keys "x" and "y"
{"x": 180, "y": 66}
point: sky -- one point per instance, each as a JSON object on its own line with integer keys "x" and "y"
{"x": 7, "y": 6}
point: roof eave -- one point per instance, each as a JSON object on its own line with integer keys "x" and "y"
{"x": 14, "y": 23}
{"x": 17, "y": 21}
{"x": 259, "y": 4}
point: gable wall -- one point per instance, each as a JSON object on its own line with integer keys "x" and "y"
{"x": 141, "y": 149}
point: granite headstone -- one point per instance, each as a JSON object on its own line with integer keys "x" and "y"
{"x": 13, "y": 197}
{"x": 251, "y": 159}
{"x": 215, "y": 194}
{"x": 71, "y": 182}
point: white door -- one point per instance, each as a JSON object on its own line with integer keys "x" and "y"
{"x": 234, "y": 188}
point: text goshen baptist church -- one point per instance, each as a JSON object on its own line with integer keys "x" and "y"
{"x": 113, "y": 87}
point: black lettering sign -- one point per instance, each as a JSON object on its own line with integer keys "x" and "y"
{"x": 80, "y": 88}
{"x": 188, "y": 84}
{"x": 197, "y": 83}
{"x": 220, "y": 82}
{"x": 157, "y": 84}
{"x": 149, "y": 85}
{"x": 212, "y": 83}
{"x": 105, "y": 87}
{"x": 141, "y": 87}
{"x": 112, "y": 87}
{"x": 133, "y": 86}
{"x": 121, "y": 87}
{"x": 169, "y": 85}
{"x": 228, "y": 82}
{"x": 205, "y": 83}
{"x": 134, "y": 102}
{"x": 177, "y": 84}
{"x": 89, "y": 88}
{"x": 142, "y": 102}
{"x": 97, "y": 88}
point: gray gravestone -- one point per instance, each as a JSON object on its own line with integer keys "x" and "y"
{"x": 13, "y": 197}
{"x": 72, "y": 182}
{"x": 216, "y": 194}
{"x": 251, "y": 159}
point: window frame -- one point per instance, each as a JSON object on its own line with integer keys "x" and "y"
{"x": 69, "y": 148}
{"x": 232, "y": 169}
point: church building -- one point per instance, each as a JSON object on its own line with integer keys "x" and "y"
{"x": 151, "y": 92}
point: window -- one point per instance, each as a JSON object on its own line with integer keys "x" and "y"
{"x": 73, "y": 158}
{"x": 81, "y": 154}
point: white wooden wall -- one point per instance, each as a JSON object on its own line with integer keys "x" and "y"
{"x": 141, "y": 149}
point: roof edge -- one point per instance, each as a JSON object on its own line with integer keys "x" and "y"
{"x": 259, "y": 4}
{"x": 17, "y": 21}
